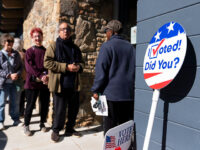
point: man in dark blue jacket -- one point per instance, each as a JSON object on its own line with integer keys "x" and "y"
{"x": 115, "y": 76}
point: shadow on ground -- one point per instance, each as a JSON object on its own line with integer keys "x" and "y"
{"x": 3, "y": 140}
{"x": 91, "y": 130}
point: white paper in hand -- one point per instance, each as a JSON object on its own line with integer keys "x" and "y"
{"x": 100, "y": 107}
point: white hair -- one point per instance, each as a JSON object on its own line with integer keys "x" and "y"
{"x": 18, "y": 44}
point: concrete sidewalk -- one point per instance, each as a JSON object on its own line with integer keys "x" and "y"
{"x": 13, "y": 138}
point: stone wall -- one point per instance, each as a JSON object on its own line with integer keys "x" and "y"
{"x": 44, "y": 14}
{"x": 86, "y": 18}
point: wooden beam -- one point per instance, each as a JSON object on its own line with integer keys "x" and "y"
{"x": 10, "y": 21}
{"x": 8, "y": 27}
{"x": 12, "y": 13}
{"x": 7, "y": 31}
{"x": 12, "y": 4}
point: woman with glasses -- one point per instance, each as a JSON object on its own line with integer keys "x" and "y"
{"x": 36, "y": 81}
{"x": 10, "y": 72}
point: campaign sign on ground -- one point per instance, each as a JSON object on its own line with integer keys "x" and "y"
{"x": 164, "y": 55}
{"x": 119, "y": 137}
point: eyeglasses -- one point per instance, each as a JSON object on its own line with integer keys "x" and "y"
{"x": 65, "y": 29}
{"x": 10, "y": 41}
{"x": 37, "y": 36}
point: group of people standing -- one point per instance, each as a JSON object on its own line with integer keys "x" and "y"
{"x": 57, "y": 70}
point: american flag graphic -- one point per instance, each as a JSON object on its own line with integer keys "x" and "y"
{"x": 110, "y": 142}
{"x": 167, "y": 31}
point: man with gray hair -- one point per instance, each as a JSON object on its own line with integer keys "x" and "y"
{"x": 115, "y": 76}
{"x": 64, "y": 61}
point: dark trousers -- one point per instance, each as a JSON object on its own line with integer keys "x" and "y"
{"x": 118, "y": 113}
{"x": 31, "y": 97}
{"x": 70, "y": 98}
{"x": 21, "y": 103}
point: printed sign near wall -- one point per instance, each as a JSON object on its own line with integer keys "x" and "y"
{"x": 164, "y": 55}
{"x": 119, "y": 137}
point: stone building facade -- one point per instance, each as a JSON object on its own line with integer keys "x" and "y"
{"x": 86, "y": 18}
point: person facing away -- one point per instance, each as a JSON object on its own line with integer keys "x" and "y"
{"x": 115, "y": 76}
{"x": 10, "y": 72}
{"x": 63, "y": 59}
{"x": 36, "y": 81}
{"x": 18, "y": 46}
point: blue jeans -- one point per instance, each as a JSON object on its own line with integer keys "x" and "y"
{"x": 9, "y": 90}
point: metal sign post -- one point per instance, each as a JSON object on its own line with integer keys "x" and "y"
{"x": 155, "y": 98}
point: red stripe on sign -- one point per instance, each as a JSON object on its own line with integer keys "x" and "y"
{"x": 160, "y": 85}
{"x": 149, "y": 75}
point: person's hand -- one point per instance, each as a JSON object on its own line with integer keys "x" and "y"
{"x": 73, "y": 67}
{"x": 45, "y": 79}
{"x": 76, "y": 69}
{"x": 96, "y": 96}
{"x": 14, "y": 76}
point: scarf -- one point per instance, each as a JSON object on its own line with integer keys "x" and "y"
{"x": 65, "y": 51}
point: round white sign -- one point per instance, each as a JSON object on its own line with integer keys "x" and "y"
{"x": 164, "y": 55}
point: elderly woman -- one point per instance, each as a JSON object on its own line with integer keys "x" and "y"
{"x": 10, "y": 71}
{"x": 36, "y": 80}
{"x": 18, "y": 46}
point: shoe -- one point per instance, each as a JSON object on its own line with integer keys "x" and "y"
{"x": 17, "y": 123}
{"x": 27, "y": 131}
{"x": 43, "y": 128}
{"x": 55, "y": 137}
{"x": 2, "y": 126}
{"x": 72, "y": 132}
